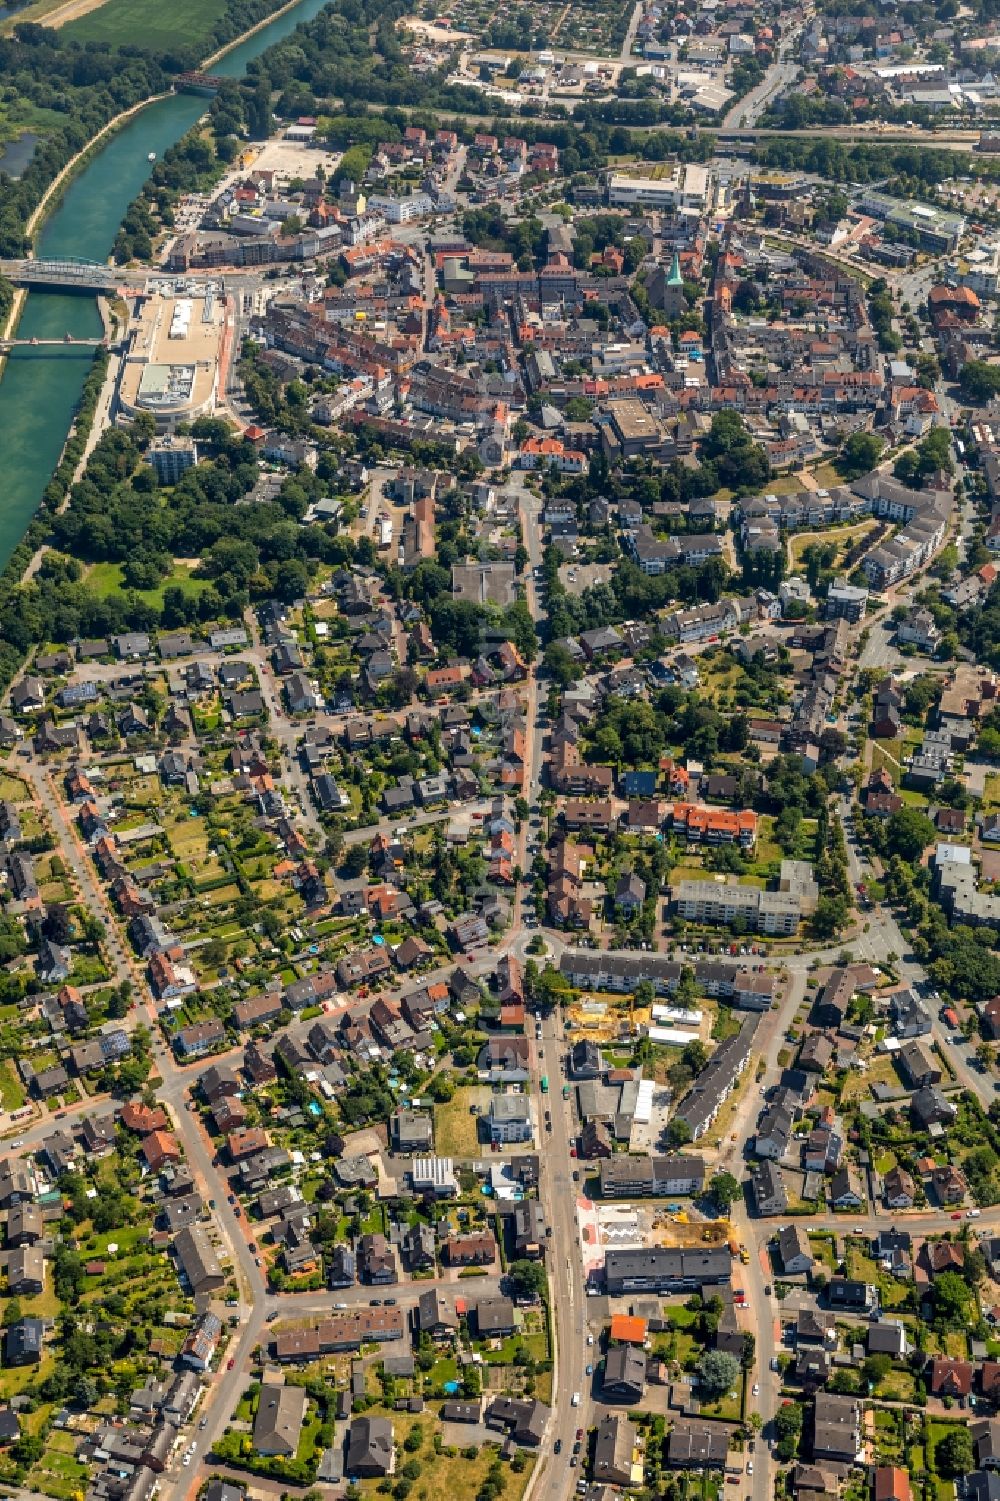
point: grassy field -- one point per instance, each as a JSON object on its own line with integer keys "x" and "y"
{"x": 11, "y": 1088}
{"x": 121, "y": 21}
{"x": 58, "y": 1473}
{"x": 826, "y": 474}
{"x": 785, "y": 484}
{"x": 455, "y": 1133}
{"x": 18, "y": 115}
{"x": 885, "y": 753}
{"x": 857, "y": 1086}
{"x": 459, "y": 1479}
{"x": 843, "y": 536}
{"x": 718, "y": 677}
{"x": 106, "y": 578}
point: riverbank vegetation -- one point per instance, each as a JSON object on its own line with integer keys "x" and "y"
{"x": 37, "y": 64}
{"x": 118, "y": 515}
{"x": 12, "y": 589}
{"x": 192, "y": 165}
{"x": 94, "y": 82}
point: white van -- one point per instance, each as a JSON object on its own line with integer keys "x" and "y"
{"x": 576, "y": 1400}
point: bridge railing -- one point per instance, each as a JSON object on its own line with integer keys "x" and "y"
{"x": 65, "y": 271}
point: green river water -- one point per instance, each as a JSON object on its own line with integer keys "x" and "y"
{"x": 40, "y": 387}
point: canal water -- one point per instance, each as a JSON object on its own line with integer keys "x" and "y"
{"x": 40, "y": 387}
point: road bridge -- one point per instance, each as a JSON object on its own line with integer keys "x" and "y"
{"x": 67, "y": 274}
{"x": 87, "y": 276}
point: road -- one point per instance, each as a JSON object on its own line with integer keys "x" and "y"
{"x": 252, "y": 1311}
{"x": 568, "y": 1296}
{"x": 748, "y": 110}
{"x": 633, "y": 27}
{"x": 557, "y": 1190}
{"x": 60, "y": 819}
{"x": 285, "y": 731}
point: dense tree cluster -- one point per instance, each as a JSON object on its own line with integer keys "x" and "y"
{"x": 979, "y": 630}
{"x": 88, "y": 84}
{"x": 841, "y": 161}
{"x": 633, "y": 733}
{"x": 117, "y": 514}
{"x": 979, "y": 381}
{"x": 931, "y": 456}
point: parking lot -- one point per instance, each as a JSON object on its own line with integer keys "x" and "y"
{"x": 575, "y": 577}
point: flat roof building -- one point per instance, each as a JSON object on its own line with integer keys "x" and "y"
{"x": 687, "y": 187}
{"x": 171, "y": 366}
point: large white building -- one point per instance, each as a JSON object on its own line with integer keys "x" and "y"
{"x": 402, "y": 210}
{"x": 688, "y": 187}
{"x": 979, "y": 270}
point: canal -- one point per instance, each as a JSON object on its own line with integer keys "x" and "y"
{"x": 40, "y": 387}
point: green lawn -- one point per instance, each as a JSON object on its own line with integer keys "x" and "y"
{"x": 936, "y": 1432}
{"x": 446, "y": 1474}
{"x": 123, "y": 21}
{"x": 823, "y": 1248}
{"x": 445, "y": 1368}
{"x": 727, "y": 1408}
{"x": 535, "y": 1344}
{"x": 11, "y": 1088}
{"x": 677, "y": 1345}
{"x": 865, "y": 1269}
{"x": 898, "y": 1386}
{"x": 18, "y": 115}
{"x": 455, "y": 1129}
{"x": 106, "y": 578}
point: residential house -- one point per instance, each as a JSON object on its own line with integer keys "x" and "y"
{"x": 281, "y": 1412}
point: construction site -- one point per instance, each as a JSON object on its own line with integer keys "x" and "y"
{"x": 611, "y": 1020}
{"x": 604, "y": 1227}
